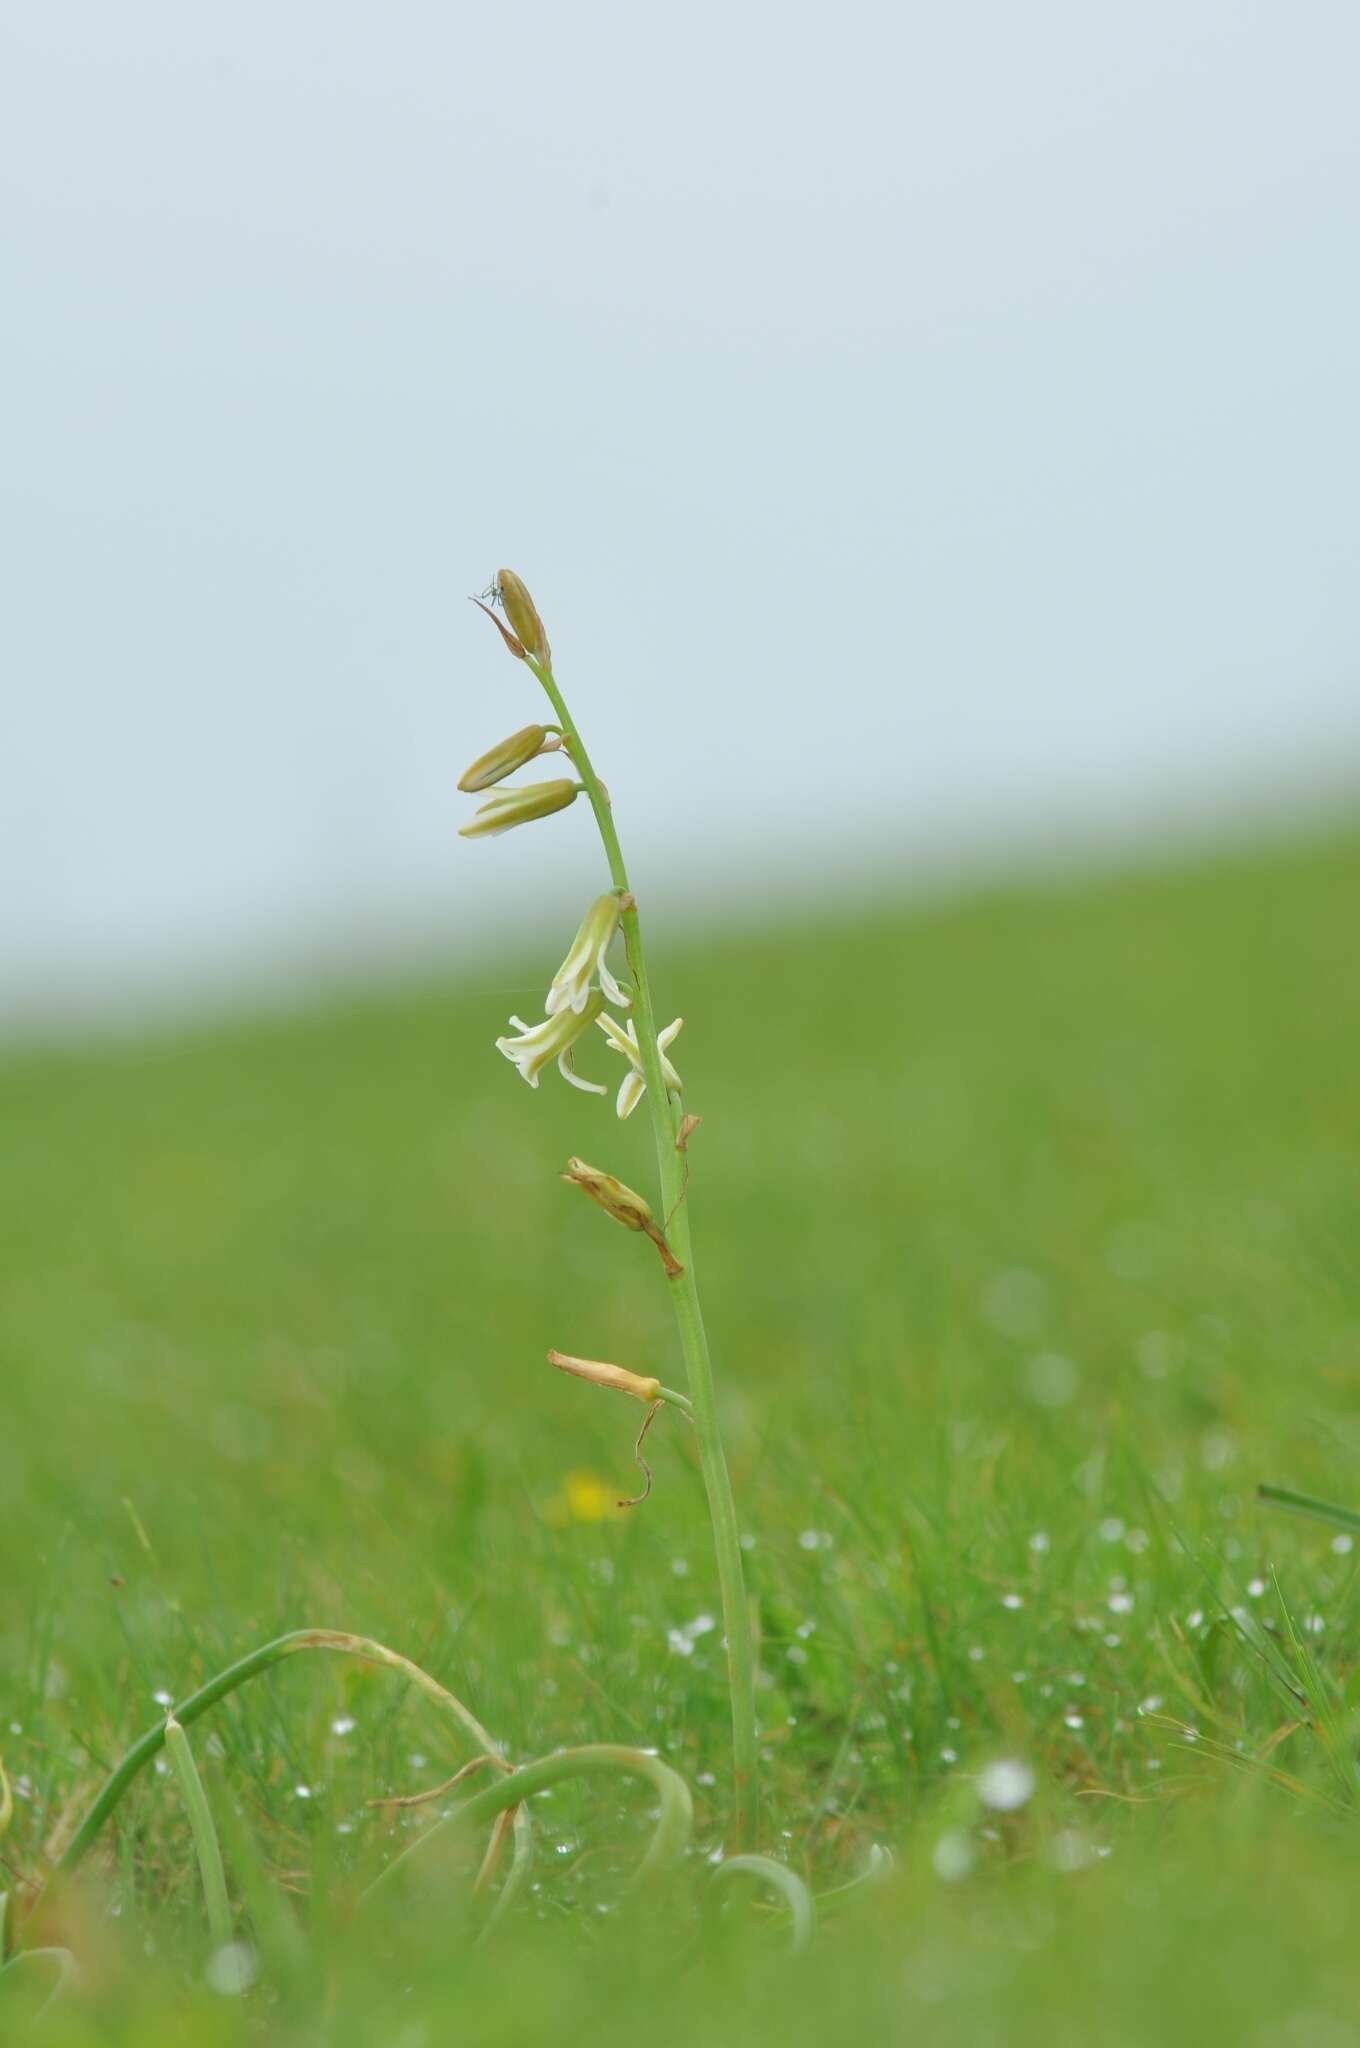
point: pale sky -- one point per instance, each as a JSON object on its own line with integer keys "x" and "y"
{"x": 927, "y": 431}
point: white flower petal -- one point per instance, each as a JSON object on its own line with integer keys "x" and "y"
{"x": 630, "y": 1093}
{"x": 619, "y": 1040}
{"x": 619, "y": 997}
{"x": 569, "y": 1073}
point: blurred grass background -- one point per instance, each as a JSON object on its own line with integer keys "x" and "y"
{"x": 1028, "y": 1232}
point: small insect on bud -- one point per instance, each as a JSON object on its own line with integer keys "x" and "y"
{"x": 602, "y": 1375}
{"x": 623, "y": 1205}
{"x": 523, "y": 616}
{"x": 520, "y": 806}
{"x": 499, "y": 761}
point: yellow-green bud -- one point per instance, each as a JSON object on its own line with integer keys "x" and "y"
{"x": 613, "y": 1197}
{"x": 520, "y": 806}
{"x": 523, "y": 616}
{"x": 623, "y": 1204}
{"x": 499, "y": 761}
{"x": 602, "y": 1375}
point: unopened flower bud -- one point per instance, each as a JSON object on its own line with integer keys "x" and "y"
{"x": 602, "y": 1375}
{"x": 499, "y": 761}
{"x": 520, "y": 806}
{"x": 623, "y": 1204}
{"x": 523, "y": 616}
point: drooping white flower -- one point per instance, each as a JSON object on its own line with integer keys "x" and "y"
{"x": 553, "y": 1039}
{"x": 634, "y": 1081}
{"x": 571, "y": 984}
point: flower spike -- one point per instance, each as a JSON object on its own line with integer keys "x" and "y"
{"x": 554, "y": 1039}
{"x": 634, "y": 1081}
{"x": 571, "y": 983}
{"x": 520, "y": 806}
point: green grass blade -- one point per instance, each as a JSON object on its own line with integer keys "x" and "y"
{"x": 791, "y": 1889}
{"x": 670, "y": 1837}
{"x": 268, "y": 1654}
{"x": 1304, "y": 1504}
{"x": 206, "y": 1845}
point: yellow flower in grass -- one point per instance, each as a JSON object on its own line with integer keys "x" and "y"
{"x": 583, "y": 1497}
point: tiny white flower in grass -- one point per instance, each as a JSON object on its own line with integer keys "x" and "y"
{"x": 634, "y": 1081}
{"x": 1005, "y": 1785}
{"x": 553, "y": 1039}
{"x": 571, "y": 983}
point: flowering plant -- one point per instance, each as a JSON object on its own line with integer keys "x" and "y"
{"x": 583, "y": 992}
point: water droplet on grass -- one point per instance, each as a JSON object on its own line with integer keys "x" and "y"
{"x": 1069, "y": 1851}
{"x": 1051, "y": 1380}
{"x": 952, "y": 1856}
{"x": 1015, "y": 1302}
{"x": 1005, "y": 1785}
{"x": 230, "y": 1969}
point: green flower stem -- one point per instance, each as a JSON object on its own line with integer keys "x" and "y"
{"x": 249, "y": 1667}
{"x": 685, "y": 1300}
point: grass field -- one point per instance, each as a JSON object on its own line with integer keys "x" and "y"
{"x": 1029, "y": 1231}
